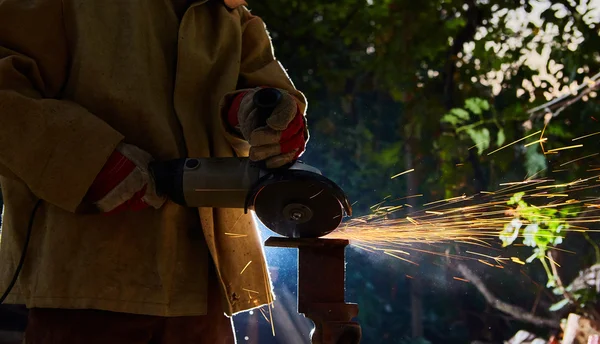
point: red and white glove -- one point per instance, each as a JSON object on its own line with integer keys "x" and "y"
{"x": 284, "y": 137}
{"x": 124, "y": 183}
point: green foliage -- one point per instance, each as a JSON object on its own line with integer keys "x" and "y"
{"x": 544, "y": 227}
{"x": 477, "y": 105}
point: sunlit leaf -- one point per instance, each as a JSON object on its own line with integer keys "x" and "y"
{"x": 481, "y": 138}
{"x": 477, "y": 105}
{"x": 460, "y": 113}
{"x": 559, "y": 305}
{"x": 500, "y": 138}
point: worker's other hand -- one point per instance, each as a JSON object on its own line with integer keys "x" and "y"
{"x": 124, "y": 183}
{"x": 282, "y": 140}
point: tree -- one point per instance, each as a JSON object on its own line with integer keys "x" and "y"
{"x": 435, "y": 86}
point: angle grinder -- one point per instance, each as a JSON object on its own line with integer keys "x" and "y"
{"x": 295, "y": 201}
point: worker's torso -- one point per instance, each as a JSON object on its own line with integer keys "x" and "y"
{"x": 124, "y": 68}
{"x": 155, "y": 71}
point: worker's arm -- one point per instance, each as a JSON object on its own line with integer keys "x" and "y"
{"x": 54, "y": 146}
{"x": 260, "y": 68}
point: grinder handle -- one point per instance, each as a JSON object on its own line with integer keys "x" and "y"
{"x": 265, "y": 100}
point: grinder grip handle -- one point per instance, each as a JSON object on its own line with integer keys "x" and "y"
{"x": 265, "y": 100}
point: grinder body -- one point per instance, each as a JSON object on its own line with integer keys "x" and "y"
{"x": 296, "y": 201}
{"x": 212, "y": 182}
{"x": 206, "y": 182}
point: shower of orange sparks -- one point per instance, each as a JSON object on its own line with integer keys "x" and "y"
{"x": 456, "y": 220}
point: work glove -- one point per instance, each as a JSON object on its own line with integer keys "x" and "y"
{"x": 284, "y": 137}
{"x": 124, "y": 183}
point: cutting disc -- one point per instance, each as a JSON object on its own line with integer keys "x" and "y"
{"x": 300, "y": 204}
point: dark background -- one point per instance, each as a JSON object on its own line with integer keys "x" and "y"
{"x": 379, "y": 76}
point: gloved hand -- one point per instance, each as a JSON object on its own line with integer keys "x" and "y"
{"x": 124, "y": 183}
{"x": 284, "y": 137}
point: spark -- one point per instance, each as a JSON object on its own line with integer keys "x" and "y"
{"x": 409, "y": 276}
{"x": 434, "y": 212}
{"x": 407, "y": 197}
{"x": 269, "y": 299}
{"x": 236, "y": 235}
{"x": 517, "y": 260}
{"x": 512, "y": 143}
{"x": 264, "y": 315}
{"x": 535, "y": 174}
{"x": 484, "y": 262}
{"x": 534, "y": 142}
{"x": 519, "y": 183}
{"x": 563, "y": 148}
{"x": 457, "y": 165}
{"x": 236, "y": 222}
{"x": 399, "y": 251}
{"x": 412, "y": 221}
{"x": 446, "y": 200}
{"x": 460, "y": 279}
{"x": 245, "y": 267}
{"x": 584, "y": 136}
{"x": 317, "y": 194}
{"x": 398, "y": 257}
{"x": 401, "y": 173}
{"x": 542, "y": 135}
{"x": 553, "y": 261}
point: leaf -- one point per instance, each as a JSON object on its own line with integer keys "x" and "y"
{"x": 460, "y": 113}
{"x": 455, "y": 23}
{"x": 500, "y": 138}
{"x": 510, "y": 232}
{"x": 529, "y": 235}
{"x": 516, "y": 198}
{"x": 448, "y": 118}
{"x": 481, "y": 138}
{"x": 456, "y": 116}
{"x": 477, "y": 105}
{"x": 560, "y": 304}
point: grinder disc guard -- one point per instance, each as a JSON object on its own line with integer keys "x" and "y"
{"x": 299, "y": 204}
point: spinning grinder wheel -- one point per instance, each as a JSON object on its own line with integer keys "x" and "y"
{"x": 299, "y": 204}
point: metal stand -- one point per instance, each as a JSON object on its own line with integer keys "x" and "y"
{"x": 321, "y": 288}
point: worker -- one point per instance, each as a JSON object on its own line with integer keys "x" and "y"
{"x": 91, "y": 91}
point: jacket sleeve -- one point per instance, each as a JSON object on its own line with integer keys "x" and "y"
{"x": 259, "y": 67}
{"x": 54, "y": 146}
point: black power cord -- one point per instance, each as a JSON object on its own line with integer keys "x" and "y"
{"x": 23, "y": 253}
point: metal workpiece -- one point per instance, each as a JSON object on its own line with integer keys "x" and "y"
{"x": 321, "y": 288}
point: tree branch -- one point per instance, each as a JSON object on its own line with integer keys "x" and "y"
{"x": 514, "y": 311}
{"x": 558, "y": 280}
